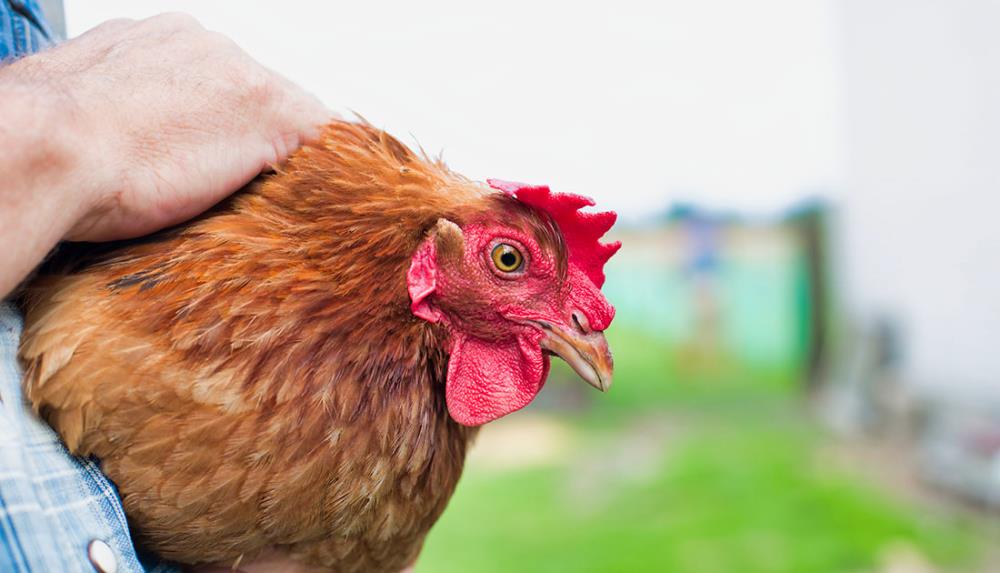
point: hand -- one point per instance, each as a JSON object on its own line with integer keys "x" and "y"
{"x": 132, "y": 127}
{"x": 180, "y": 117}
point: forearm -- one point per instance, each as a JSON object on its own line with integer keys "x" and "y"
{"x": 44, "y": 189}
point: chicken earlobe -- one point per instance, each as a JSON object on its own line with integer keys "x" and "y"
{"x": 421, "y": 278}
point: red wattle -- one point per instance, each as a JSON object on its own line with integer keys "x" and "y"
{"x": 488, "y": 379}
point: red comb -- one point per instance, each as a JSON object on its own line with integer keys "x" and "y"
{"x": 581, "y": 231}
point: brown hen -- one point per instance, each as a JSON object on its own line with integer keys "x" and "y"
{"x": 302, "y": 368}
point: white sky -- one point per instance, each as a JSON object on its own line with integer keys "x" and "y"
{"x": 729, "y": 103}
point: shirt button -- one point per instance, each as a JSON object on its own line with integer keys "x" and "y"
{"x": 102, "y": 557}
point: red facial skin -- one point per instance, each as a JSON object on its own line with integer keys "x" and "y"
{"x": 496, "y": 363}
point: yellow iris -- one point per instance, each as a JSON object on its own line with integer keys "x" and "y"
{"x": 507, "y": 258}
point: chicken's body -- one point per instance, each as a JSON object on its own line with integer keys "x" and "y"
{"x": 256, "y": 379}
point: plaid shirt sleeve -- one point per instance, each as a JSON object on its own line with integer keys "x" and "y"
{"x": 54, "y": 507}
{"x": 23, "y": 29}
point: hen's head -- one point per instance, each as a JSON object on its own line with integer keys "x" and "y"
{"x": 512, "y": 283}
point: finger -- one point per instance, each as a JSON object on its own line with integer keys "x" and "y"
{"x": 300, "y": 112}
{"x": 283, "y": 145}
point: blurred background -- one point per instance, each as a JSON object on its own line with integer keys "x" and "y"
{"x": 807, "y": 371}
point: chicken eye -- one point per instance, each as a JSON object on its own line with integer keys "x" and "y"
{"x": 507, "y": 258}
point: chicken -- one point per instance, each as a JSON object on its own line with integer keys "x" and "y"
{"x": 302, "y": 369}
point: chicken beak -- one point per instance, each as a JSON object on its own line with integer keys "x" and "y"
{"x": 587, "y": 353}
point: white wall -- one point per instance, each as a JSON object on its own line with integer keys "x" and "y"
{"x": 921, "y": 218}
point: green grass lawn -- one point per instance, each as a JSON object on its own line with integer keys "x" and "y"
{"x": 675, "y": 480}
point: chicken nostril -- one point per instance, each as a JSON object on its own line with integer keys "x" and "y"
{"x": 580, "y": 322}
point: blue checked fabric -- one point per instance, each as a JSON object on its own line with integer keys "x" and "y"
{"x": 23, "y": 29}
{"x": 53, "y": 506}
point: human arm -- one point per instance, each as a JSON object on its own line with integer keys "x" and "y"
{"x": 130, "y": 128}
